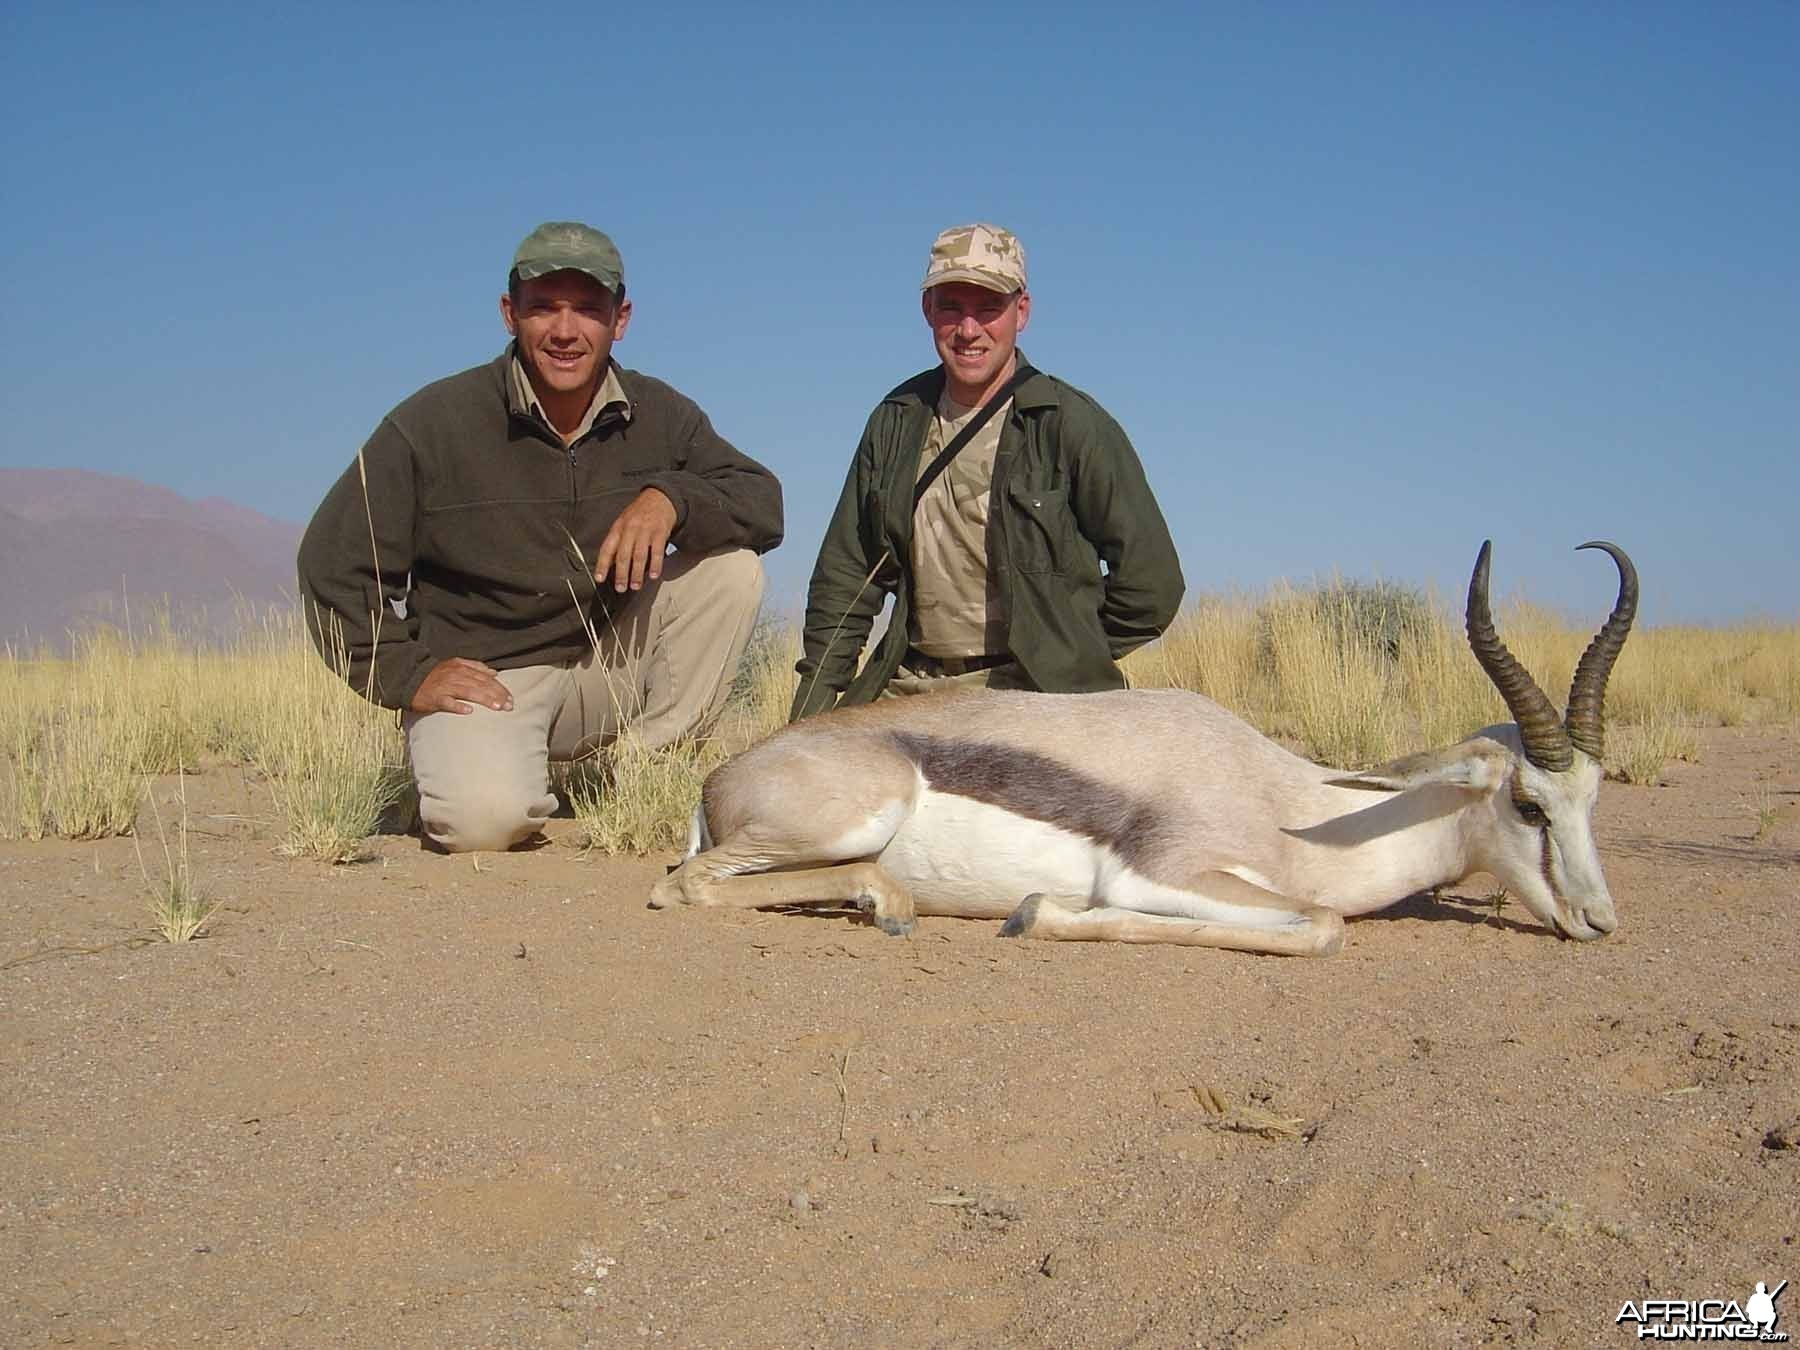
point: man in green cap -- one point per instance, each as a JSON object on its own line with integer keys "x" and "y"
{"x": 1003, "y": 510}
{"x": 496, "y": 562}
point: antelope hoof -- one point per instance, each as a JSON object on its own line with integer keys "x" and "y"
{"x": 1023, "y": 919}
{"x": 663, "y": 895}
{"x": 894, "y": 926}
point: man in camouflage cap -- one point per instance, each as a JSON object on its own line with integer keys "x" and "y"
{"x": 1034, "y": 559}
{"x": 496, "y": 562}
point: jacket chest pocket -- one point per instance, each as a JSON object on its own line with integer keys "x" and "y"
{"x": 1043, "y": 532}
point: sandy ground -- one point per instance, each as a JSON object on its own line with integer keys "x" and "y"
{"x": 415, "y": 1102}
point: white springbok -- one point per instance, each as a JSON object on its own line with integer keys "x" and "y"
{"x": 1157, "y": 816}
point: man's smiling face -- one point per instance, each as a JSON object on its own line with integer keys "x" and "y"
{"x": 975, "y": 331}
{"x": 565, "y": 325}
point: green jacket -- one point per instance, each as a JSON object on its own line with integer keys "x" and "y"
{"x": 486, "y": 526}
{"x": 1068, "y": 496}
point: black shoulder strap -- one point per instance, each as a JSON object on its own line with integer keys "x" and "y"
{"x": 967, "y": 434}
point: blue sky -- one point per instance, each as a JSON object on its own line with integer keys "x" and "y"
{"x": 1366, "y": 284}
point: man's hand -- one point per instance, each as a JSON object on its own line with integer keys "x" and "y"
{"x": 634, "y": 547}
{"x": 455, "y": 684}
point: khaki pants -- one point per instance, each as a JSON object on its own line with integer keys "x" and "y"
{"x": 663, "y": 670}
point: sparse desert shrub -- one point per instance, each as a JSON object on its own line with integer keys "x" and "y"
{"x": 1378, "y": 617}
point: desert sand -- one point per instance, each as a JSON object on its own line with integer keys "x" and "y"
{"x": 430, "y": 1101}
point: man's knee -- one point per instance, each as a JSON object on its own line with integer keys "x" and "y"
{"x": 735, "y": 576}
{"x": 482, "y": 817}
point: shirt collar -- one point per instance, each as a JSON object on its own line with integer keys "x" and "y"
{"x": 523, "y": 401}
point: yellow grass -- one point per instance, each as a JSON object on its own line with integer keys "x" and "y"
{"x": 636, "y": 800}
{"x": 1637, "y": 752}
{"x": 1210, "y": 649}
{"x": 178, "y": 910}
{"x": 79, "y": 735}
{"x": 333, "y": 760}
{"x": 1332, "y": 684}
{"x": 630, "y": 799}
{"x": 1317, "y": 684}
{"x": 765, "y": 686}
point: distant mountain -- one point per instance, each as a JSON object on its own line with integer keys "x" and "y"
{"x": 79, "y": 549}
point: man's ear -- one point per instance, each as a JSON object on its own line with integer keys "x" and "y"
{"x": 1024, "y": 303}
{"x": 507, "y": 316}
{"x": 621, "y": 319}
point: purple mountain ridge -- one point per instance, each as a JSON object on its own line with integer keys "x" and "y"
{"x": 78, "y": 549}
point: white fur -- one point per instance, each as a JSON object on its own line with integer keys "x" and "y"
{"x": 953, "y": 848}
{"x": 871, "y": 836}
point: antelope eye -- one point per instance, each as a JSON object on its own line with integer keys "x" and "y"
{"x": 1532, "y": 814}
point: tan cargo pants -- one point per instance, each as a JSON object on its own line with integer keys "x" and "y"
{"x": 663, "y": 670}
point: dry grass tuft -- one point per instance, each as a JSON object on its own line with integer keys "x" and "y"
{"x": 1637, "y": 752}
{"x": 1334, "y": 679}
{"x": 1210, "y": 649}
{"x": 334, "y": 761}
{"x": 178, "y": 911}
{"x": 1767, "y": 812}
{"x": 636, "y": 800}
{"x": 764, "y": 687}
{"x": 631, "y": 799}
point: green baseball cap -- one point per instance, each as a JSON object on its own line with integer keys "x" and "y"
{"x": 569, "y": 246}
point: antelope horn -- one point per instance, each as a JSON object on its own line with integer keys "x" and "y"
{"x": 1587, "y": 692}
{"x": 1547, "y": 744}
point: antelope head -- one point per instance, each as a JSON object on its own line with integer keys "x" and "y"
{"x": 1537, "y": 777}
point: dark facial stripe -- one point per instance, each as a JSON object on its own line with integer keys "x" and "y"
{"x": 1544, "y": 867}
{"x": 1039, "y": 788}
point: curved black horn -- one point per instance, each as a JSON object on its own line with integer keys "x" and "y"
{"x": 1587, "y": 692}
{"x": 1547, "y": 744}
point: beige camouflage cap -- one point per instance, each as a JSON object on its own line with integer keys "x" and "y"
{"x": 984, "y": 254}
{"x": 569, "y": 246}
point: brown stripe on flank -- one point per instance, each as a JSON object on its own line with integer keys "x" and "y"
{"x": 1039, "y": 788}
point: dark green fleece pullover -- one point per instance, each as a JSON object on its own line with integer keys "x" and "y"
{"x": 497, "y": 524}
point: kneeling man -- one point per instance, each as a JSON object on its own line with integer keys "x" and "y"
{"x": 495, "y": 564}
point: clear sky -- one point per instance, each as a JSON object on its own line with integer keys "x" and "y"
{"x": 1366, "y": 283}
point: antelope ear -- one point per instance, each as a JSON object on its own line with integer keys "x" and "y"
{"x": 1479, "y": 765}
